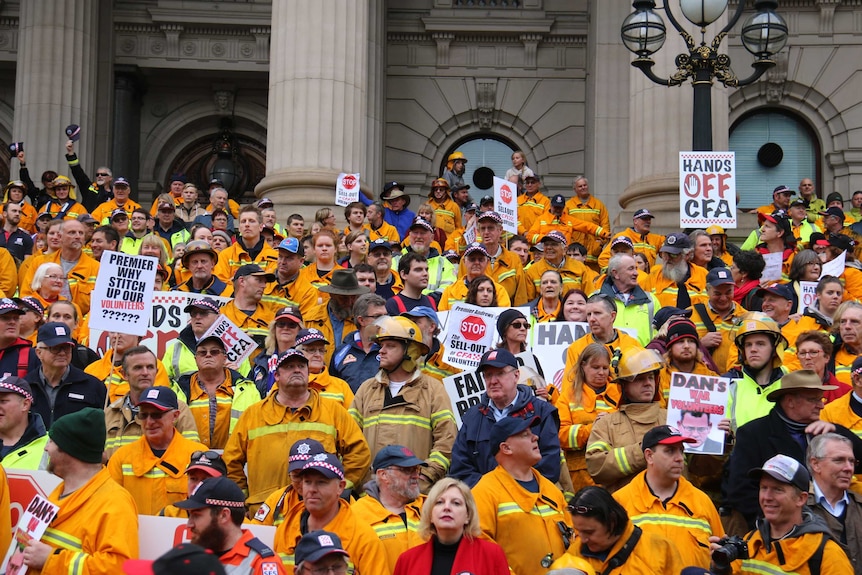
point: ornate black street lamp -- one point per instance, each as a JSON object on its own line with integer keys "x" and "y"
{"x": 764, "y": 34}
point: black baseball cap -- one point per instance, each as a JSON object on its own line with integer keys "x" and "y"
{"x": 160, "y": 397}
{"x": 316, "y": 545}
{"x": 507, "y": 427}
{"x": 396, "y": 455}
{"x": 664, "y": 435}
{"x": 214, "y": 492}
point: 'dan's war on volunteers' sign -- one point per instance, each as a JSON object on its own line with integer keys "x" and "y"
{"x": 122, "y": 299}
{"x": 707, "y": 189}
{"x": 696, "y": 404}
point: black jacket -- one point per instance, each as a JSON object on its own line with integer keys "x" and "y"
{"x": 757, "y": 441}
{"x": 77, "y": 391}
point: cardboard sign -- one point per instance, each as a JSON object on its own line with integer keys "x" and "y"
{"x": 809, "y": 294}
{"x": 34, "y": 521}
{"x": 550, "y": 341}
{"x": 167, "y": 319}
{"x": 464, "y": 389}
{"x": 707, "y": 189}
{"x": 470, "y": 233}
{"x": 122, "y": 299}
{"x": 238, "y": 344}
{"x": 470, "y": 331}
{"x": 834, "y": 267}
{"x": 346, "y": 189}
{"x": 506, "y": 203}
{"x": 696, "y": 404}
{"x": 156, "y": 535}
{"x": 772, "y": 271}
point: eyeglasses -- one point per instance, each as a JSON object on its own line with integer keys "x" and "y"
{"x": 208, "y": 352}
{"x": 199, "y": 313}
{"x": 103, "y": 174}
{"x": 154, "y": 415}
{"x": 812, "y": 353}
{"x": 314, "y": 351}
{"x": 409, "y": 471}
{"x": 286, "y": 325}
{"x": 58, "y": 349}
{"x": 374, "y": 317}
{"x": 519, "y": 325}
{"x": 579, "y": 509}
{"x": 208, "y": 454}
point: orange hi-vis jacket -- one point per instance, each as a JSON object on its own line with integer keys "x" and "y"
{"x": 593, "y": 211}
{"x": 651, "y": 555}
{"x": 575, "y": 276}
{"x": 667, "y": 291}
{"x": 251, "y": 556}
{"x": 234, "y": 257}
{"x": 648, "y": 245}
{"x": 396, "y": 533}
{"x": 95, "y": 531}
{"x": 530, "y": 208}
{"x": 154, "y": 482}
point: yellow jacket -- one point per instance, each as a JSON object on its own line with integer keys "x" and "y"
{"x": 436, "y": 367}
{"x": 234, "y": 257}
{"x": 651, "y": 555}
{"x": 358, "y": 538}
{"x": 95, "y": 531}
{"x": 331, "y": 387}
{"x": 8, "y": 274}
{"x": 448, "y": 214}
{"x": 667, "y": 291}
{"x": 531, "y": 208}
{"x": 508, "y": 272}
{"x": 319, "y": 319}
{"x": 268, "y": 428}
{"x": 419, "y": 417}
{"x": 124, "y": 429}
{"x": 232, "y": 398}
{"x": 648, "y": 245}
{"x": 277, "y": 506}
{"x": 839, "y": 412}
{"x": 565, "y": 224}
{"x": 55, "y": 206}
{"x": 688, "y": 518}
{"x": 154, "y": 482}
{"x": 614, "y": 454}
{"x": 103, "y": 211}
{"x": 255, "y": 325}
{"x": 622, "y": 342}
{"x": 457, "y": 292}
{"x": 299, "y": 293}
{"x": 5, "y": 518}
{"x": 114, "y": 378}
{"x": 386, "y": 231}
{"x": 390, "y": 528}
{"x": 82, "y": 278}
{"x": 576, "y": 424}
{"x": 791, "y": 555}
{"x": 523, "y": 523}
{"x": 593, "y": 211}
{"x": 725, "y": 355}
{"x": 575, "y": 276}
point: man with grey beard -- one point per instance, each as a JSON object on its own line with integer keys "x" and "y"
{"x": 676, "y": 282}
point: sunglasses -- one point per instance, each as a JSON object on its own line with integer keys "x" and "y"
{"x": 102, "y": 174}
{"x": 579, "y": 509}
{"x": 520, "y": 325}
{"x": 208, "y": 352}
{"x": 208, "y": 454}
{"x": 156, "y": 416}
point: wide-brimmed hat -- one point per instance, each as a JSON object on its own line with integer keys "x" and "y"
{"x": 344, "y": 282}
{"x": 799, "y": 380}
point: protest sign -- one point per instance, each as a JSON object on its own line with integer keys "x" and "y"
{"x": 550, "y": 341}
{"x": 464, "y": 389}
{"x": 834, "y": 267}
{"x": 122, "y": 299}
{"x": 470, "y": 234}
{"x": 809, "y": 294}
{"x": 470, "y": 331}
{"x": 506, "y": 203}
{"x": 32, "y": 525}
{"x": 696, "y": 404}
{"x": 707, "y": 189}
{"x": 167, "y": 319}
{"x": 772, "y": 271}
{"x": 346, "y": 189}
{"x": 237, "y": 343}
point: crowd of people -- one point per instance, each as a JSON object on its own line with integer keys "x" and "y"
{"x": 338, "y": 431}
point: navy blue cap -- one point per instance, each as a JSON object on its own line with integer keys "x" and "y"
{"x": 719, "y": 276}
{"x": 497, "y": 358}
{"x": 380, "y": 243}
{"x": 558, "y": 201}
{"x": 781, "y": 290}
{"x": 310, "y": 335}
{"x": 52, "y": 333}
{"x": 396, "y": 455}
{"x": 675, "y": 243}
{"x": 160, "y": 397}
{"x": 507, "y": 427}
{"x": 316, "y": 545}
{"x": 301, "y": 451}
{"x": 73, "y": 132}
{"x": 214, "y": 492}
{"x": 290, "y": 354}
{"x": 8, "y": 305}
{"x": 179, "y": 177}
{"x": 327, "y": 464}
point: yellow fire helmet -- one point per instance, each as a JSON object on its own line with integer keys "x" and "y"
{"x": 714, "y": 230}
{"x": 406, "y": 331}
{"x": 438, "y": 182}
{"x": 576, "y": 565}
{"x": 634, "y": 363}
{"x": 450, "y": 161}
{"x": 63, "y": 180}
{"x": 757, "y": 322}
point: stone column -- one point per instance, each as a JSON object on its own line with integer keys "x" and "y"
{"x": 56, "y": 80}
{"x": 318, "y": 101}
{"x": 660, "y": 123}
{"x": 126, "y": 154}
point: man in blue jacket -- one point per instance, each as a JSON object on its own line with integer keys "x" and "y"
{"x": 472, "y": 455}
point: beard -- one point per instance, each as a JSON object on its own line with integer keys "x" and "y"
{"x": 212, "y": 537}
{"x": 340, "y": 312}
{"x": 677, "y": 272}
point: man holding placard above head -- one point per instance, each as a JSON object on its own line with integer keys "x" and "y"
{"x": 401, "y": 404}
{"x": 472, "y": 454}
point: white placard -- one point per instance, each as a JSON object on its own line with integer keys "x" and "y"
{"x": 464, "y": 389}
{"x": 506, "y": 203}
{"x": 122, "y": 299}
{"x": 34, "y": 521}
{"x": 470, "y": 331}
{"x": 238, "y": 344}
{"x": 834, "y": 267}
{"x": 470, "y": 233}
{"x": 774, "y": 262}
{"x": 707, "y": 189}
{"x": 705, "y": 396}
{"x": 809, "y": 294}
{"x": 550, "y": 341}
{"x": 346, "y": 189}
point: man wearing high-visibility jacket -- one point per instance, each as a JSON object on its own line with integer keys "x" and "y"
{"x": 403, "y": 405}
{"x": 96, "y": 529}
{"x": 22, "y": 432}
{"x": 246, "y": 309}
{"x": 249, "y": 247}
{"x": 292, "y": 412}
{"x": 659, "y": 500}
{"x": 216, "y": 395}
{"x": 519, "y": 508}
{"x": 392, "y": 503}
{"x": 645, "y": 243}
{"x": 152, "y": 467}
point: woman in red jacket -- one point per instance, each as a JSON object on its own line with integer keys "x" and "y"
{"x": 450, "y": 522}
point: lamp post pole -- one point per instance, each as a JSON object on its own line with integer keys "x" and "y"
{"x": 763, "y": 34}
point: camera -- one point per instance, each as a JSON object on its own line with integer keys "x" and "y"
{"x": 731, "y": 548}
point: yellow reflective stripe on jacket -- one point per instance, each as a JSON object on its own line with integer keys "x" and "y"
{"x": 755, "y": 566}
{"x": 440, "y": 416}
{"x": 357, "y": 417}
{"x": 76, "y": 565}
{"x": 396, "y": 419}
{"x": 57, "y": 538}
{"x": 439, "y": 458}
{"x": 258, "y": 432}
{"x": 598, "y": 446}
{"x": 505, "y": 275}
{"x": 672, "y": 520}
{"x": 573, "y": 436}
{"x": 339, "y": 397}
{"x": 510, "y": 507}
{"x": 154, "y": 473}
{"x": 622, "y": 461}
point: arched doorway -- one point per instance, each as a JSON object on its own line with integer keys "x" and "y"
{"x": 487, "y": 156}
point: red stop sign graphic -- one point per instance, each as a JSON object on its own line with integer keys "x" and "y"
{"x": 506, "y": 194}
{"x": 348, "y": 181}
{"x": 473, "y": 328}
{"x": 22, "y": 489}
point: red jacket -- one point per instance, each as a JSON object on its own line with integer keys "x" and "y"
{"x": 474, "y": 556}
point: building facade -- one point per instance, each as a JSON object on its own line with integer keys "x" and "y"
{"x": 279, "y": 96}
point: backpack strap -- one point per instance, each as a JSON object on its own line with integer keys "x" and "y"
{"x": 399, "y": 303}
{"x": 815, "y": 561}
{"x": 23, "y": 361}
{"x": 623, "y": 554}
{"x": 704, "y": 316}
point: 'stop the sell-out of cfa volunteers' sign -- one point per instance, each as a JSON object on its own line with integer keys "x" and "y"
{"x": 707, "y": 189}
